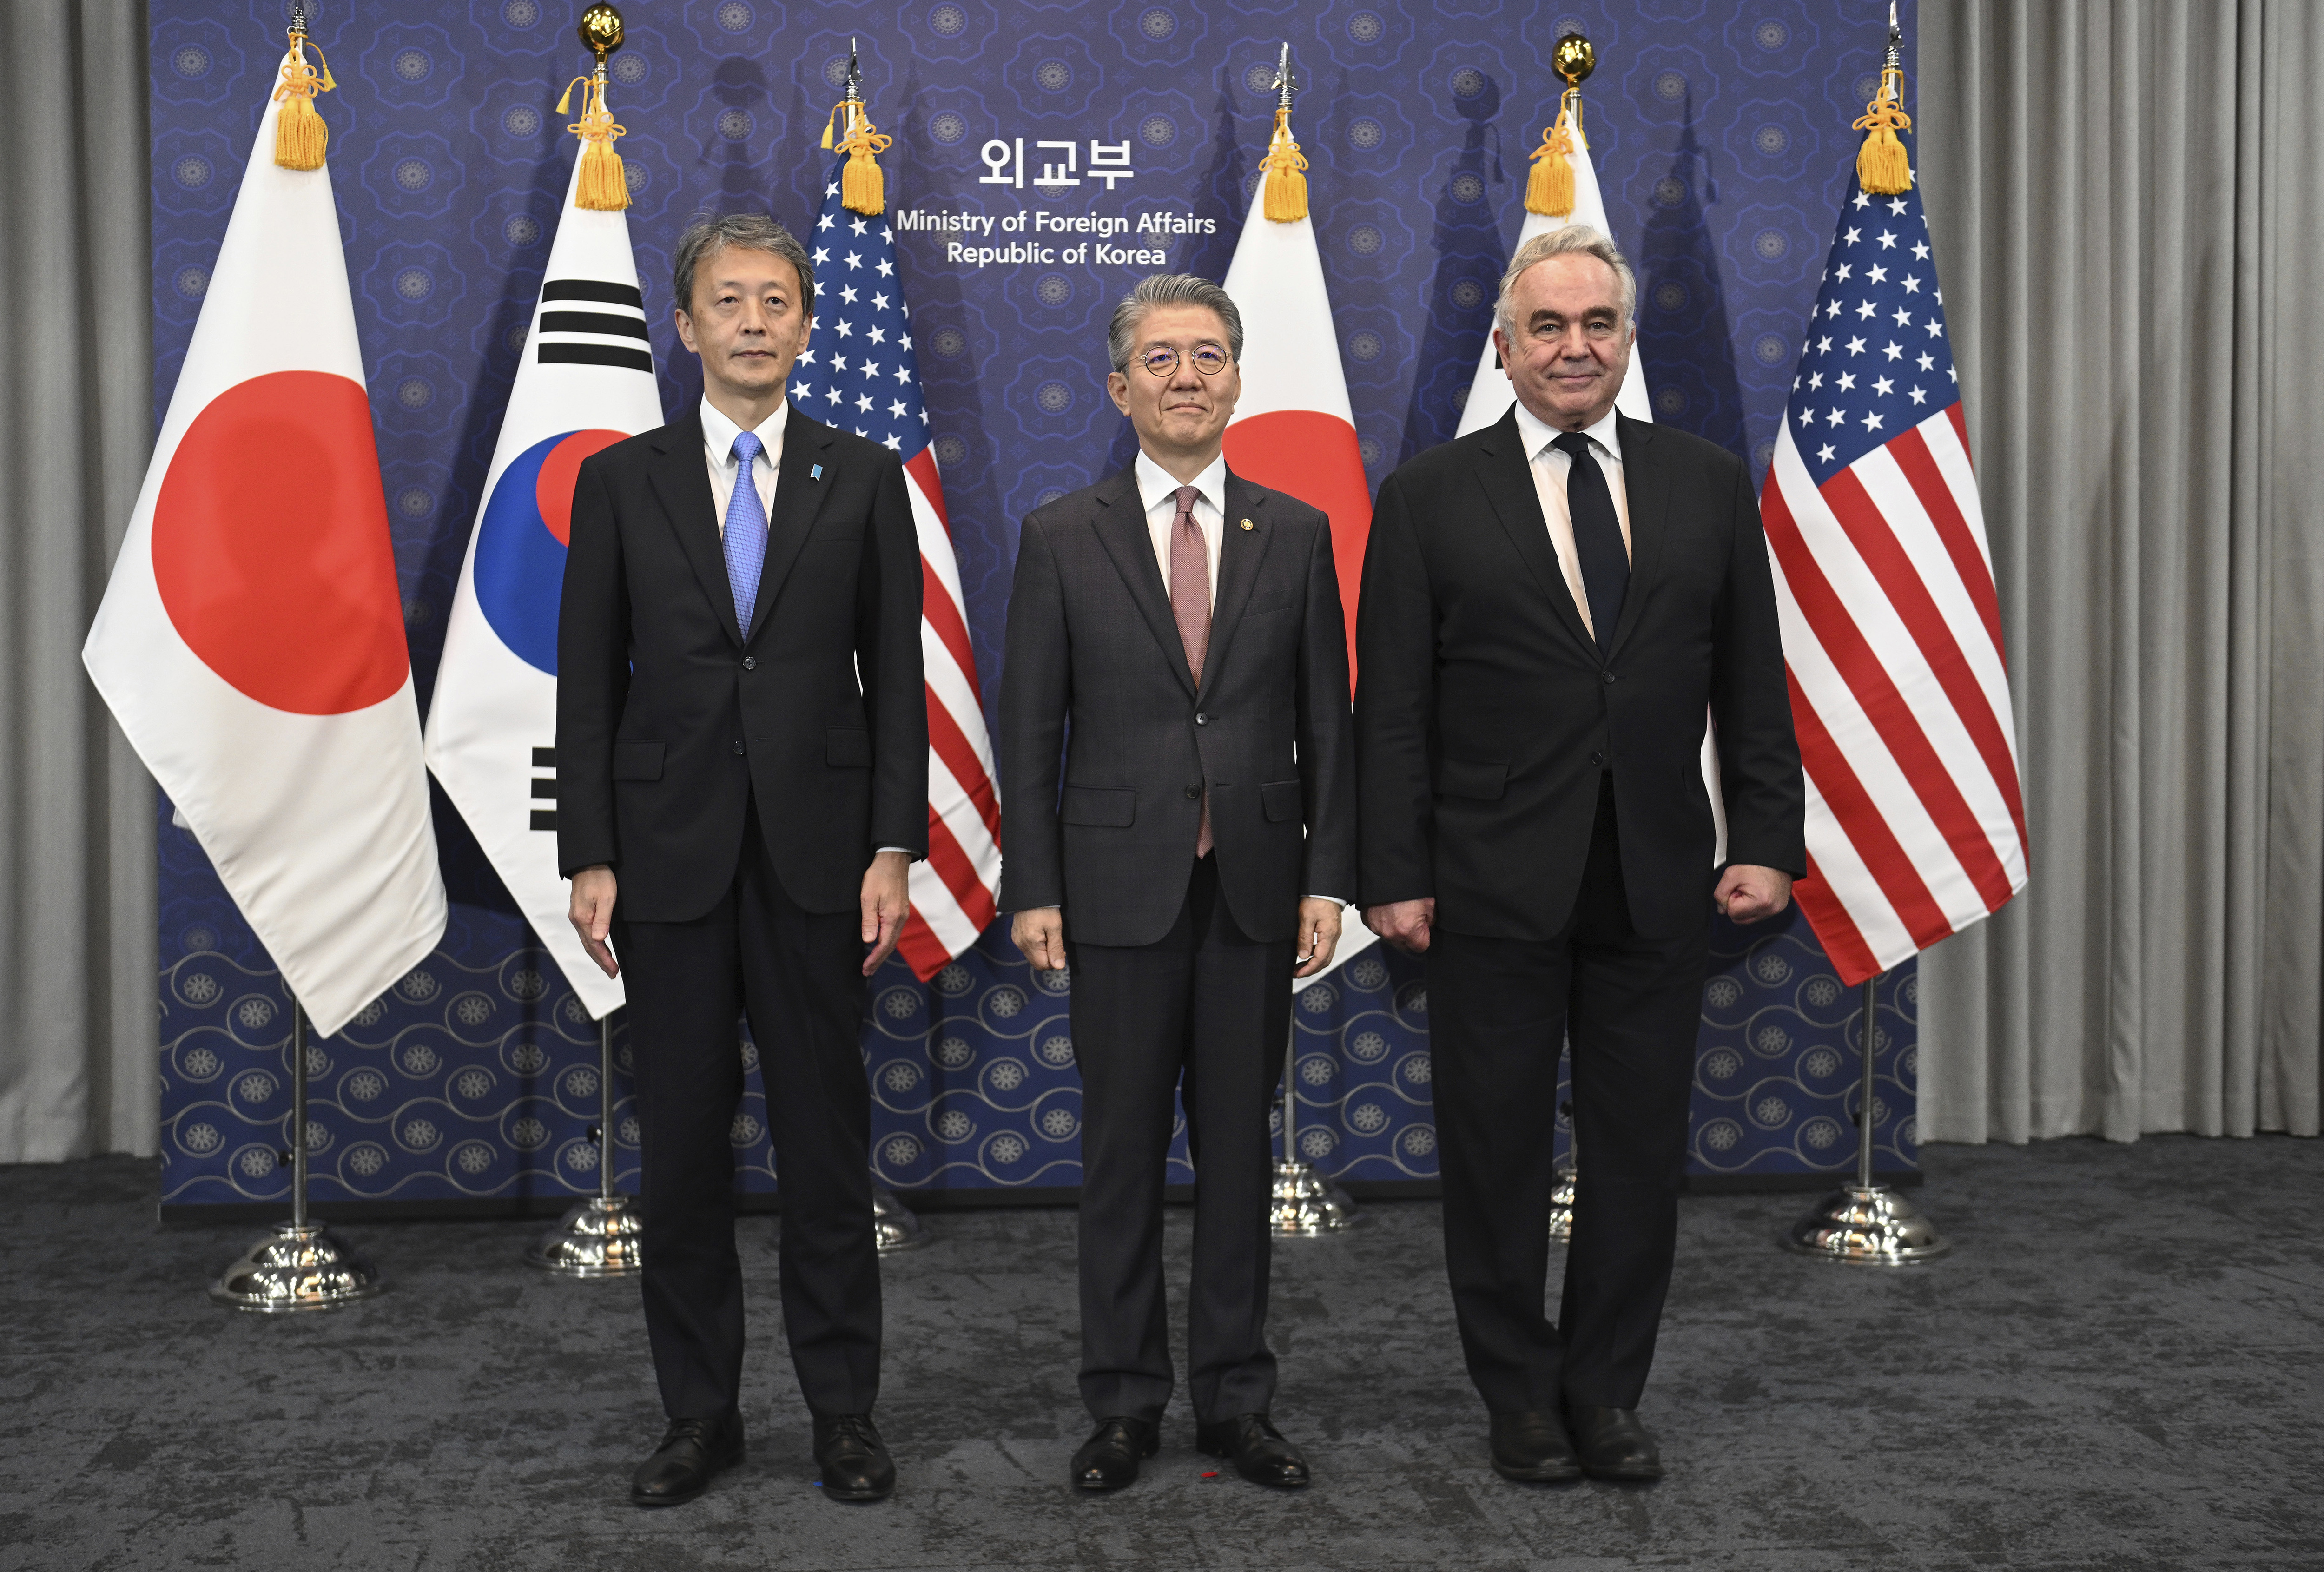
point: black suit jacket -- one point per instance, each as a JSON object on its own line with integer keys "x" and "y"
{"x": 1092, "y": 641}
{"x": 670, "y": 715}
{"x": 1486, "y": 713}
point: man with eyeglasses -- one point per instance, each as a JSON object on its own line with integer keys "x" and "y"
{"x": 1178, "y": 780}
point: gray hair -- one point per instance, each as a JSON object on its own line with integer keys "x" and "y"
{"x": 1169, "y": 288}
{"x": 1571, "y": 240}
{"x": 708, "y": 234}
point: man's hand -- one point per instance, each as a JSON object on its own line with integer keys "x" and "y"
{"x": 1748, "y": 894}
{"x": 592, "y": 915}
{"x": 887, "y": 900}
{"x": 1319, "y": 934}
{"x": 1404, "y": 923}
{"x": 1040, "y": 934}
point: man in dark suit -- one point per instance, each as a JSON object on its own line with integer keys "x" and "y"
{"x": 742, "y": 743}
{"x": 1549, "y": 605}
{"x": 1183, "y": 627}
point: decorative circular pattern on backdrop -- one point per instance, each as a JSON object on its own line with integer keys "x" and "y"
{"x": 947, "y": 21}
{"x": 948, "y": 127}
{"x": 1156, "y": 24}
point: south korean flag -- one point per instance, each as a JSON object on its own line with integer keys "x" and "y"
{"x": 586, "y": 381}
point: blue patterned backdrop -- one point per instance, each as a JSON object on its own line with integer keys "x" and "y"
{"x": 1719, "y": 131}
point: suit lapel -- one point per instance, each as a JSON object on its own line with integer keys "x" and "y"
{"x": 1645, "y": 486}
{"x": 1121, "y": 526}
{"x": 1507, "y": 480}
{"x": 1241, "y": 551}
{"x": 681, "y": 483}
{"x": 798, "y": 493}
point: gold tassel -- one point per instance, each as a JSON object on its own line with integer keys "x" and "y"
{"x": 829, "y": 121}
{"x": 1882, "y": 168}
{"x": 300, "y": 136}
{"x": 1284, "y": 192}
{"x": 604, "y": 187}
{"x": 862, "y": 188}
{"x": 1549, "y": 188}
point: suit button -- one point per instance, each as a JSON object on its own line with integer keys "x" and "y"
{"x": 738, "y": 745}
{"x": 1193, "y": 793}
{"x": 750, "y": 663}
{"x": 1201, "y": 719}
{"x": 1609, "y": 676}
{"x": 1598, "y": 758}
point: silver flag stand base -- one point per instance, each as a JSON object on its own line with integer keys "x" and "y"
{"x": 896, "y": 1225}
{"x": 1868, "y": 1225}
{"x": 1304, "y": 1205}
{"x": 299, "y": 1266}
{"x": 600, "y": 1237}
{"x": 1561, "y": 1206}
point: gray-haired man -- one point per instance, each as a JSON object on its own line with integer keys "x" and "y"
{"x": 1186, "y": 853}
{"x": 741, "y": 748}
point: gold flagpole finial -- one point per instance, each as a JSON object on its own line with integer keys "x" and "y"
{"x": 1882, "y": 168}
{"x": 300, "y": 136}
{"x": 604, "y": 185}
{"x": 1283, "y": 189}
{"x": 1549, "y": 188}
{"x": 863, "y": 187}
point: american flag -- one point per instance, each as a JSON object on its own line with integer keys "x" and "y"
{"x": 1891, "y": 633}
{"x": 859, "y": 373}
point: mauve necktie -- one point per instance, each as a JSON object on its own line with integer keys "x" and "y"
{"x": 1597, "y": 537}
{"x": 746, "y": 532}
{"x": 1190, "y": 605}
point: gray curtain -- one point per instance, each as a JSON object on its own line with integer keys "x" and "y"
{"x": 78, "y": 1002}
{"x": 2127, "y": 201}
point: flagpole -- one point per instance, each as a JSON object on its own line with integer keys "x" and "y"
{"x": 302, "y": 1265}
{"x": 1868, "y": 1224}
{"x": 1304, "y": 1203}
{"x": 602, "y": 1236}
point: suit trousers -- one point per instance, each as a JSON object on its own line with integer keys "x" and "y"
{"x": 797, "y": 976}
{"x": 1203, "y": 1011}
{"x": 1499, "y": 1008}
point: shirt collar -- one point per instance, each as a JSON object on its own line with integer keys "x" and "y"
{"x": 1155, "y": 483}
{"x": 1537, "y": 433}
{"x": 718, "y": 432}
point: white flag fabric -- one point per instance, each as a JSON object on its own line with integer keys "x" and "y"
{"x": 251, "y": 641}
{"x": 1490, "y": 396}
{"x": 1293, "y": 430}
{"x": 586, "y": 381}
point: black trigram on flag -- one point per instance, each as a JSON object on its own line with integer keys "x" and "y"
{"x": 544, "y": 788}
{"x": 588, "y": 322}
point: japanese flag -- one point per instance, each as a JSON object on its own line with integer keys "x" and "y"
{"x": 251, "y": 641}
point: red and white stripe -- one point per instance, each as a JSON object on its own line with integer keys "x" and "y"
{"x": 955, "y": 891}
{"x": 1892, "y": 638}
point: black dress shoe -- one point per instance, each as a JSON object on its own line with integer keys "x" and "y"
{"x": 1533, "y": 1447}
{"x": 854, "y": 1459}
{"x": 1612, "y": 1444}
{"x": 1108, "y": 1460}
{"x": 1256, "y": 1449}
{"x": 691, "y": 1451}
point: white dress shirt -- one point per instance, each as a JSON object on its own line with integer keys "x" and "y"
{"x": 718, "y": 434}
{"x": 1158, "y": 491}
{"x": 1550, "y": 467}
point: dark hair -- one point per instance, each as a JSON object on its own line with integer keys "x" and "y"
{"x": 708, "y": 234}
{"x": 1169, "y": 288}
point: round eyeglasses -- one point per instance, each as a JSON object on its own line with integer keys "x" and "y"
{"x": 1162, "y": 360}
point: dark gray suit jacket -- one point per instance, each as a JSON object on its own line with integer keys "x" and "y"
{"x": 1268, "y": 730}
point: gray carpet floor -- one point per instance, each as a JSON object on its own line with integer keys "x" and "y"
{"x": 2122, "y": 1366}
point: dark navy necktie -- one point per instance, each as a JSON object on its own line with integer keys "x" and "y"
{"x": 746, "y": 532}
{"x": 1597, "y": 537}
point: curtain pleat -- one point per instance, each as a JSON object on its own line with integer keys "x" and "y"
{"x": 2128, "y": 221}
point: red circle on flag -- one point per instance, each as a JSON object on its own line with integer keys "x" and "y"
{"x": 271, "y": 547}
{"x": 553, "y": 492}
{"x": 1314, "y": 457}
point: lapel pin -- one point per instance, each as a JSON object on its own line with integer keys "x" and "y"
{"x": 816, "y": 473}
{"x": 1249, "y": 525}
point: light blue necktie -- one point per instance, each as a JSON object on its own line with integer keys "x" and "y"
{"x": 746, "y": 534}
